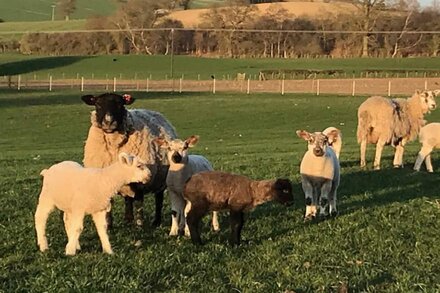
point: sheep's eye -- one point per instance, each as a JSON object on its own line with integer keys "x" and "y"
{"x": 285, "y": 191}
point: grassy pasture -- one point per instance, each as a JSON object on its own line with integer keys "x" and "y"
{"x": 159, "y": 67}
{"x": 31, "y": 10}
{"x": 384, "y": 240}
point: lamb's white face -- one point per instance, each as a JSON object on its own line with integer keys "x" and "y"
{"x": 177, "y": 150}
{"x": 317, "y": 142}
{"x": 141, "y": 172}
{"x": 428, "y": 100}
{"x": 136, "y": 169}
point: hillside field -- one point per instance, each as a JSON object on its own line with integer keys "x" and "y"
{"x": 159, "y": 67}
{"x": 385, "y": 238}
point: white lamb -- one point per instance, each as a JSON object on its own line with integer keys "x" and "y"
{"x": 336, "y": 141}
{"x": 182, "y": 167}
{"x": 429, "y": 137}
{"x": 79, "y": 191}
{"x": 320, "y": 174}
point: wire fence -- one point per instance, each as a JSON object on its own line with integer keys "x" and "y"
{"x": 364, "y": 86}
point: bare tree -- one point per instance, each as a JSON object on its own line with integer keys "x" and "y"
{"x": 66, "y": 8}
{"x": 139, "y": 14}
{"x": 369, "y": 11}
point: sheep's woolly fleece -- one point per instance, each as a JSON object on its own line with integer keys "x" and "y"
{"x": 142, "y": 126}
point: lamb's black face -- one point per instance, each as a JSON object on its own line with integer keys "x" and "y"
{"x": 283, "y": 189}
{"x": 110, "y": 110}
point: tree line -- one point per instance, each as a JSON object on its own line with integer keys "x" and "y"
{"x": 222, "y": 33}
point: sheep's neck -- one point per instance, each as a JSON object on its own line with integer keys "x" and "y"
{"x": 261, "y": 192}
{"x": 111, "y": 180}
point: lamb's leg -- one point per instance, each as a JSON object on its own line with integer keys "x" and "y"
{"x": 75, "y": 229}
{"x": 158, "y": 200}
{"x": 379, "y": 147}
{"x": 43, "y": 211}
{"x": 324, "y": 199}
{"x": 309, "y": 198}
{"x": 195, "y": 215}
{"x": 177, "y": 213}
{"x": 428, "y": 164}
{"x": 66, "y": 218}
{"x": 363, "y": 152}
{"x": 425, "y": 151}
{"x": 215, "y": 224}
{"x": 101, "y": 228}
{"x": 237, "y": 220}
{"x": 187, "y": 209}
{"x": 109, "y": 215}
{"x": 332, "y": 201}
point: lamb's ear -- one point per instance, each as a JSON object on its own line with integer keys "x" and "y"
{"x": 89, "y": 99}
{"x": 128, "y": 99}
{"x": 436, "y": 92}
{"x": 125, "y": 159}
{"x": 192, "y": 140}
{"x": 333, "y": 135}
{"x": 418, "y": 92}
{"x": 303, "y": 134}
{"x": 161, "y": 142}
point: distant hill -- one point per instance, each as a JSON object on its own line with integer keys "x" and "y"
{"x": 191, "y": 18}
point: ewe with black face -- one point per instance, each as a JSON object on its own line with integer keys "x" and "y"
{"x": 115, "y": 129}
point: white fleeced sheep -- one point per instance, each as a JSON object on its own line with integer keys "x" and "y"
{"x": 79, "y": 191}
{"x": 336, "y": 141}
{"x": 182, "y": 167}
{"x": 115, "y": 129}
{"x": 320, "y": 174}
{"x": 429, "y": 137}
{"x": 383, "y": 121}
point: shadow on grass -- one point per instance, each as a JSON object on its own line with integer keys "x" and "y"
{"x": 369, "y": 189}
{"x": 36, "y": 64}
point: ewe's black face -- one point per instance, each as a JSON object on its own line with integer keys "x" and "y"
{"x": 283, "y": 189}
{"x": 110, "y": 110}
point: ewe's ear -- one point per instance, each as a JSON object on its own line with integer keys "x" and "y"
{"x": 436, "y": 92}
{"x": 418, "y": 92}
{"x": 128, "y": 99}
{"x": 161, "y": 142}
{"x": 125, "y": 159}
{"x": 303, "y": 134}
{"x": 89, "y": 99}
{"x": 192, "y": 140}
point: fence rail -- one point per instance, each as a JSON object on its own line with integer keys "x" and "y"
{"x": 364, "y": 86}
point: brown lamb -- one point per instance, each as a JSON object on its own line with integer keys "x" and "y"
{"x": 216, "y": 191}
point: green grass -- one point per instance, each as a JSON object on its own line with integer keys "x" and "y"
{"x": 159, "y": 67}
{"x": 31, "y": 10}
{"x": 384, "y": 240}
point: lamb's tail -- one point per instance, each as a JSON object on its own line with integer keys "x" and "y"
{"x": 364, "y": 126}
{"x": 43, "y": 172}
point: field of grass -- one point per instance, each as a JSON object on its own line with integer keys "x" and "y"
{"x": 31, "y": 10}
{"x": 385, "y": 238}
{"x": 159, "y": 67}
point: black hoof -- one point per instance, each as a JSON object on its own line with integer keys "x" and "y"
{"x": 333, "y": 214}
